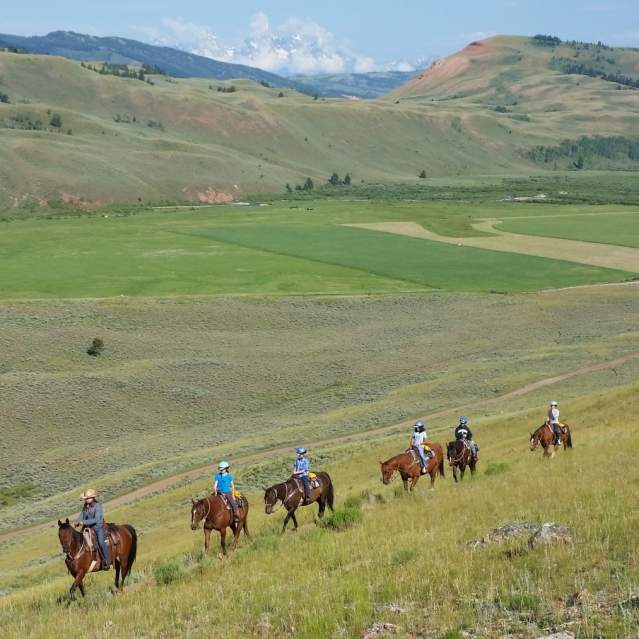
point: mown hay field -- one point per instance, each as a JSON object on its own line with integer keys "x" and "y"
{"x": 621, "y": 229}
{"x": 405, "y": 562}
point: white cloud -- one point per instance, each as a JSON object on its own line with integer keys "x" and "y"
{"x": 295, "y": 47}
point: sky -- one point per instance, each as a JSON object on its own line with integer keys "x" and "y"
{"x": 329, "y": 36}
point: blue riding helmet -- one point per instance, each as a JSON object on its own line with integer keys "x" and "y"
{"x": 300, "y": 450}
{"x": 463, "y": 420}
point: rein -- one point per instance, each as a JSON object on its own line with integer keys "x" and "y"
{"x": 287, "y": 495}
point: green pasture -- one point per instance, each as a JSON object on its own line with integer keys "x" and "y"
{"x": 621, "y": 229}
{"x": 403, "y": 562}
{"x": 285, "y": 247}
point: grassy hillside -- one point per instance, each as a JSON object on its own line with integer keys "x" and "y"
{"x": 404, "y": 563}
{"x": 119, "y": 139}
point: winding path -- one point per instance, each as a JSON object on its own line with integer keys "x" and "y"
{"x": 196, "y": 473}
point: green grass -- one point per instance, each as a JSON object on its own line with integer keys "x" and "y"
{"x": 421, "y": 262}
{"x": 405, "y": 563}
{"x": 622, "y": 230}
{"x": 282, "y": 248}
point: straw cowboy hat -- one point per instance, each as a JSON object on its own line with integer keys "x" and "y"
{"x": 89, "y": 493}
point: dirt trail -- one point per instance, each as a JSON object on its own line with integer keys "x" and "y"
{"x": 200, "y": 471}
{"x": 622, "y": 258}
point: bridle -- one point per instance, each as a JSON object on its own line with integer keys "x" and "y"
{"x": 454, "y": 461}
{"x": 283, "y": 500}
{"x": 208, "y": 512}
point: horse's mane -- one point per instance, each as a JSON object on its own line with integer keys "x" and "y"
{"x": 77, "y": 535}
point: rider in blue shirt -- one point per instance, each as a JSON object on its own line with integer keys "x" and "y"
{"x": 92, "y": 516}
{"x": 224, "y": 485}
{"x": 300, "y": 471}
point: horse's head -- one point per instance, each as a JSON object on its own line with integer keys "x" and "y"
{"x": 451, "y": 449}
{"x": 270, "y": 499}
{"x": 534, "y": 440}
{"x": 198, "y": 512}
{"x": 388, "y": 471}
{"x": 66, "y": 535}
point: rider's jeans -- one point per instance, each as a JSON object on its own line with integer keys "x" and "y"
{"x": 99, "y": 531}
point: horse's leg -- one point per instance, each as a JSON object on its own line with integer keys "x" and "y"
{"x": 116, "y": 565}
{"x": 322, "y": 506}
{"x": 433, "y": 475}
{"x": 77, "y": 583}
{"x": 294, "y": 519}
{"x": 207, "y": 539}
{"x": 223, "y": 540}
{"x": 81, "y": 589}
{"x": 455, "y": 473}
{"x": 288, "y": 516}
{"x": 462, "y": 471}
{"x": 473, "y": 466}
{"x": 405, "y": 482}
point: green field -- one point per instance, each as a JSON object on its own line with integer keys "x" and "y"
{"x": 622, "y": 230}
{"x": 282, "y": 248}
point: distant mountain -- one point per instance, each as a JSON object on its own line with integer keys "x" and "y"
{"x": 356, "y": 85}
{"x": 78, "y": 46}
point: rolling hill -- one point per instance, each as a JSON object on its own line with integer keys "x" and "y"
{"x": 365, "y": 86}
{"x": 487, "y": 110}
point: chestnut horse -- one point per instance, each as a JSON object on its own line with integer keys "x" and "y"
{"x": 214, "y": 513}
{"x": 291, "y": 494}
{"x": 544, "y": 436}
{"x": 407, "y": 464}
{"x": 459, "y": 456}
{"x": 80, "y": 560}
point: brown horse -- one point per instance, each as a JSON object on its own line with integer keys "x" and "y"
{"x": 215, "y": 514}
{"x": 291, "y": 494}
{"x": 459, "y": 456}
{"x": 81, "y": 559}
{"x": 407, "y": 464}
{"x": 544, "y": 436}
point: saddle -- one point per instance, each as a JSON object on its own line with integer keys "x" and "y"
{"x": 112, "y": 538}
{"x": 239, "y": 500}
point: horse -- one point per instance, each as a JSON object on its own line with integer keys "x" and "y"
{"x": 81, "y": 559}
{"x": 291, "y": 494}
{"x": 544, "y": 436}
{"x": 407, "y": 464}
{"x": 215, "y": 514}
{"x": 459, "y": 456}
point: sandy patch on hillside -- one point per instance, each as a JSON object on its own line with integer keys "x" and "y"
{"x": 605, "y": 255}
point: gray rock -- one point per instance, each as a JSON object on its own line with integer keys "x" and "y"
{"x": 379, "y": 627}
{"x": 550, "y": 533}
{"x": 502, "y": 533}
{"x": 564, "y": 634}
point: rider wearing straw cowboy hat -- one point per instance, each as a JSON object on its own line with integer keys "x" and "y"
{"x": 92, "y": 516}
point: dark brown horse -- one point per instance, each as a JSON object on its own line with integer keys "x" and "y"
{"x": 544, "y": 436}
{"x": 408, "y": 466}
{"x": 80, "y": 559}
{"x": 215, "y": 514}
{"x": 291, "y": 495}
{"x": 459, "y": 456}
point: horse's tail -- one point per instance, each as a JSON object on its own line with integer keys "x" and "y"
{"x": 134, "y": 550}
{"x": 330, "y": 495}
{"x": 569, "y": 440}
{"x": 441, "y": 466}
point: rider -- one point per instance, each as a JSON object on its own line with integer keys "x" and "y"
{"x": 300, "y": 471}
{"x": 418, "y": 443}
{"x": 553, "y": 421}
{"x": 224, "y": 485}
{"x": 92, "y": 516}
{"x": 463, "y": 432}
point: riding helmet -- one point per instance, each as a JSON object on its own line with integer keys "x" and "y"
{"x": 553, "y": 403}
{"x": 300, "y": 450}
{"x": 223, "y": 465}
{"x": 463, "y": 420}
{"x": 419, "y": 425}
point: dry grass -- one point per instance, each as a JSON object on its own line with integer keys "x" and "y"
{"x": 405, "y": 563}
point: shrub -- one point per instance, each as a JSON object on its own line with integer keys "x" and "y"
{"x": 96, "y": 348}
{"x": 167, "y": 572}
{"x": 56, "y": 121}
{"x": 4, "y": 98}
{"x": 423, "y": 175}
{"x": 342, "y": 519}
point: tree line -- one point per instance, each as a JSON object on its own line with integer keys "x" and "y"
{"x": 123, "y": 71}
{"x": 566, "y": 65}
{"x": 612, "y": 148}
